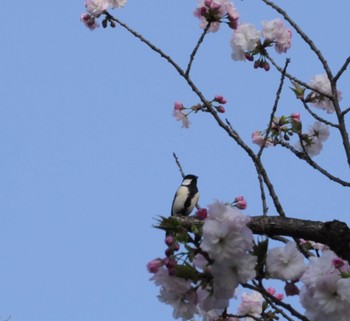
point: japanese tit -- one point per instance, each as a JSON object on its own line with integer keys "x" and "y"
{"x": 186, "y": 196}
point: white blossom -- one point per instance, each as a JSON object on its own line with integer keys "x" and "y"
{"x": 325, "y": 294}
{"x": 285, "y": 263}
{"x": 322, "y": 84}
{"x": 244, "y": 39}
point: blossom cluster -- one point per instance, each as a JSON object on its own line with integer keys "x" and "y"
{"x": 214, "y": 12}
{"x": 207, "y": 279}
{"x": 181, "y": 113}
{"x": 325, "y": 294}
{"x": 281, "y": 129}
{"x": 246, "y": 43}
{"x": 221, "y": 255}
{"x": 95, "y": 8}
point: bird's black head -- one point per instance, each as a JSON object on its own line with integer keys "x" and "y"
{"x": 190, "y": 180}
{"x": 191, "y": 177}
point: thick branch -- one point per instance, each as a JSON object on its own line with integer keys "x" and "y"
{"x": 335, "y": 234}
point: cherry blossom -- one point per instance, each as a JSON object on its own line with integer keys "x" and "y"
{"x": 285, "y": 263}
{"x": 276, "y": 32}
{"x": 244, "y": 39}
{"x": 322, "y": 84}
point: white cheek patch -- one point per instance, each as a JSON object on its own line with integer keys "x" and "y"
{"x": 186, "y": 182}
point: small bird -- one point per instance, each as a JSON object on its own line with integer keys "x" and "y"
{"x": 186, "y": 196}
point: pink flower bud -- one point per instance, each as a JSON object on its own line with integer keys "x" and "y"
{"x": 256, "y": 64}
{"x": 169, "y": 252}
{"x": 249, "y": 57}
{"x": 240, "y": 202}
{"x": 233, "y": 23}
{"x": 208, "y": 2}
{"x": 170, "y": 263}
{"x": 176, "y": 246}
{"x": 220, "y": 109}
{"x": 279, "y": 296}
{"x": 338, "y": 262}
{"x": 178, "y": 105}
{"x": 296, "y": 117}
{"x": 220, "y": 99}
{"x": 266, "y": 66}
{"x": 169, "y": 240}
{"x": 202, "y": 213}
{"x": 154, "y": 265}
{"x": 271, "y": 291}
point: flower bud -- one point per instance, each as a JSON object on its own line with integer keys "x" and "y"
{"x": 169, "y": 240}
{"x": 266, "y": 66}
{"x": 220, "y": 99}
{"x": 291, "y": 289}
{"x": 202, "y": 213}
{"x": 154, "y": 265}
{"x": 220, "y": 109}
{"x": 178, "y": 105}
{"x": 338, "y": 262}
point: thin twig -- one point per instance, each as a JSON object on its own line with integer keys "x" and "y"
{"x": 294, "y": 79}
{"x": 257, "y": 163}
{"x": 342, "y": 69}
{"x": 345, "y": 111}
{"x": 179, "y": 165}
{"x": 305, "y": 157}
{"x": 271, "y": 299}
{"x": 263, "y": 195}
{"x": 195, "y": 50}
{"x": 317, "y": 117}
{"x": 274, "y": 108}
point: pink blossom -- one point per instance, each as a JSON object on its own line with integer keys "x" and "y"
{"x": 322, "y": 84}
{"x": 96, "y": 7}
{"x": 117, "y": 3}
{"x": 180, "y": 116}
{"x": 276, "y": 32}
{"x": 213, "y": 11}
{"x": 285, "y": 263}
{"x": 244, "y": 39}
{"x": 251, "y": 304}
{"x": 259, "y": 139}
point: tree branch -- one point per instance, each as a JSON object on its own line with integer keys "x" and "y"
{"x": 335, "y": 234}
{"x": 194, "y": 52}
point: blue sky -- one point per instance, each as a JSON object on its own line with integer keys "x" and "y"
{"x": 87, "y": 136}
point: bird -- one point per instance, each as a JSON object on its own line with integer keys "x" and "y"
{"x": 186, "y": 196}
